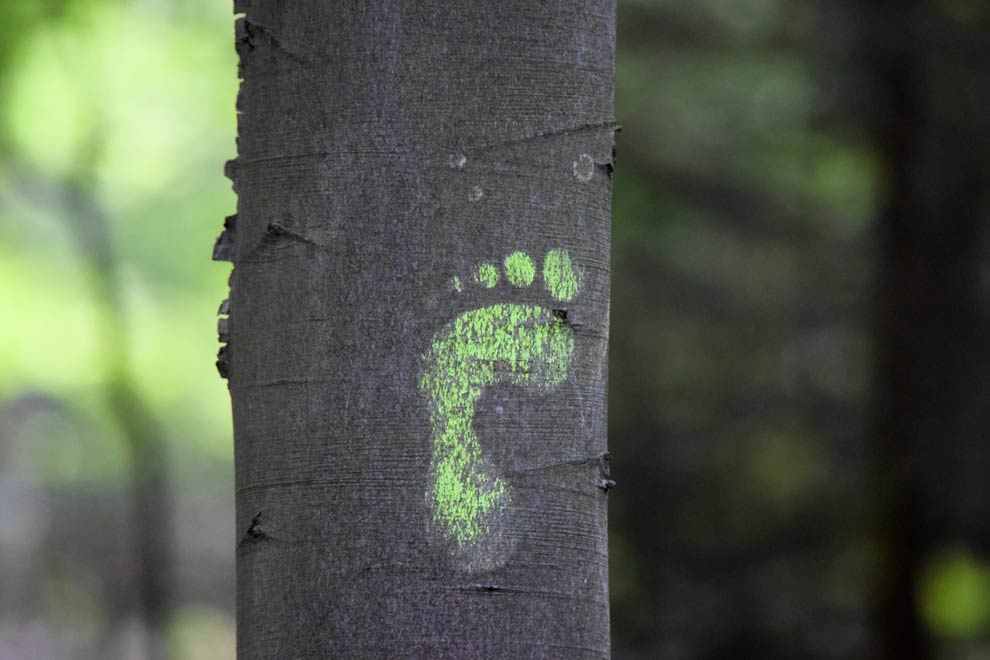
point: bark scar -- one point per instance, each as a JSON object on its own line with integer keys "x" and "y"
{"x": 278, "y": 231}
{"x": 605, "y": 481}
{"x": 223, "y": 249}
{"x": 255, "y": 534}
{"x": 278, "y": 237}
{"x": 249, "y": 35}
{"x": 567, "y": 130}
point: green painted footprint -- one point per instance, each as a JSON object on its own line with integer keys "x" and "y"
{"x": 525, "y": 345}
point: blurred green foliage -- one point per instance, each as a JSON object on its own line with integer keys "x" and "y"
{"x": 955, "y": 594}
{"x": 136, "y": 100}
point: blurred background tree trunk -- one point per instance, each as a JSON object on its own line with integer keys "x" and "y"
{"x": 911, "y": 84}
{"x": 930, "y": 421}
{"x": 148, "y": 564}
{"x": 421, "y": 257}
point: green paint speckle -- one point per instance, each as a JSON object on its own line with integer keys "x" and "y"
{"x": 486, "y": 276}
{"x": 524, "y": 345}
{"x": 519, "y": 269}
{"x": 458, "y": 287}
{"x": 559, "y": 275}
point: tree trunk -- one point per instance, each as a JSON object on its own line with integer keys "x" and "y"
{"x": 418, "y": 328}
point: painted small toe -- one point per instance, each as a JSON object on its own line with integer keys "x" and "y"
{"x": 486, "y": 276}
{"x": 519, "y": 269}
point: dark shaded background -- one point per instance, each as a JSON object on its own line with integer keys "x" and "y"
{"x": 800, "y": 368}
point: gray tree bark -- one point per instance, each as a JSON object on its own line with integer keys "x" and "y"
{"x": 418, "y": 325}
